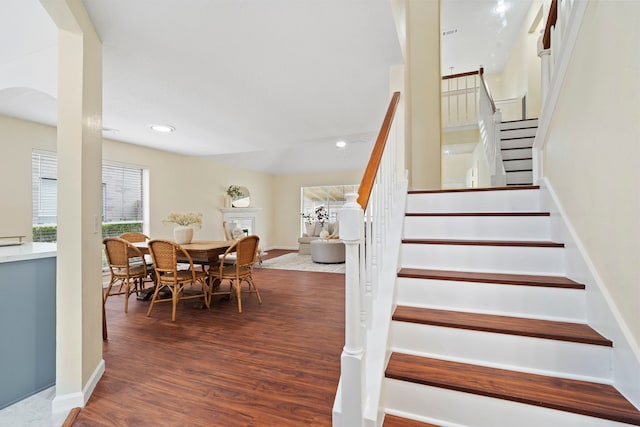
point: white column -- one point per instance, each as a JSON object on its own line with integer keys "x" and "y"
{"x": 79, "y": 363}
{"x": 351, "y": 361}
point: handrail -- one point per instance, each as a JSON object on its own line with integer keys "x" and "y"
{"x": 455, "y": 76}
{"x": 486, "y": 89}
{"x": 371, "y": 230}
{"x": 551, "y": 22}
{"x": 366, "y": 185}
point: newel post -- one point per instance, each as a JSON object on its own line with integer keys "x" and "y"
{"x": 352, "y": 359}
{"x": 545, "y": 68}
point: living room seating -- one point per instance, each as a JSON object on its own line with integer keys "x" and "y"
{"x": 313, "y": 233}
{"x": 330, "y": 251}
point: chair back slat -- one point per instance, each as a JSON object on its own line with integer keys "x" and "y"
{"x": 134, "y": 237}
{"x": 246, "y": 250}
{"x": 163, "y": 253}
{"x": 116, "y": 251}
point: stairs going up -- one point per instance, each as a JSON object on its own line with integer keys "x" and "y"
{"x": 516, "y": 140}
{"x": 487, "y": 330}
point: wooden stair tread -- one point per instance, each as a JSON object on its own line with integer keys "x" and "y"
{"x": 518, "y": 243}
{"x": 394, "y": 421}
{"x": 524, "y": 214}
{"x": 536, "y": 328}
{"x": 580, "y": 397}
{"x": 473, "y": 190}
{"x": 498, "y": 278}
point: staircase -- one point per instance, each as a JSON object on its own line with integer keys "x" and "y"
{"x": 516, "y": 140}
{"x": 487, "y": 331}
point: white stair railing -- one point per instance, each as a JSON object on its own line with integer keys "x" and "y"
{"x": 489, "y": 119}
{"x": 460, "y": 99}
{"x": 370, "y": 227}
{"x": 554, "y": 47}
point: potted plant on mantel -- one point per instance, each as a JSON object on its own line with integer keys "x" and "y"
{"x": 233, "y": 192}
{"x": 183, "y": 231}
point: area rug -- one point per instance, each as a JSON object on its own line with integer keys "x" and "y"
{"x": 294, "y": 261}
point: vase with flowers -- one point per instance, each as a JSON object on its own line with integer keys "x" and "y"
{"x": 184, "y": 223}
{"x": 319, "y": 216}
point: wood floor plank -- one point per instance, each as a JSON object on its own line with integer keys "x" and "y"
{"x": 275, "y": 364}
{"x": 497, "y": 278}
{"x": 581, "y": 397}
{"x": 561, "y": 331}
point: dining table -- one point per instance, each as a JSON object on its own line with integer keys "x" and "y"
{"x": 202, "y": 252}
{"x": 199, "y": 250}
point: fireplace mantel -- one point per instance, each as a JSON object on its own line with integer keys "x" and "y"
{"x": 239, "y": 211}
{"x": 244, "y": 217}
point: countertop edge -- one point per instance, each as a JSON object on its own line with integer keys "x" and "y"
{"x": 27, "y": 251}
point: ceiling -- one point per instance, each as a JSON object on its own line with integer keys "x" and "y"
{"x": 264, "y": 85}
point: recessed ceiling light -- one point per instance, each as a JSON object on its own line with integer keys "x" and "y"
{"x": 341, "y": 144}
{"x": 162, "y": 128}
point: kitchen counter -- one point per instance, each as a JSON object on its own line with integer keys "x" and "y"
{"x": 27, "y": 320}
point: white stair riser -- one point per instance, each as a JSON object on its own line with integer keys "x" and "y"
{"x": 513, "y": 352}
{"x": 457, "y": 408}
{"x": 519, "y": 124}
{"x": 492, "y": 259}
{"x": 517, "y": 143}
{"x": 518, "y": 133}
{"x": 522, "y": 177}
{"x": 520, "y": 153}
{"x": 472, "y": 228}
{"x": 507, "y": 300}
{"x": 517, "y": 165}
{"x": 476, "y": 201}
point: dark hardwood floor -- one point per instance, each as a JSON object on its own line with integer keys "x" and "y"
{"x": 275, "y": 364}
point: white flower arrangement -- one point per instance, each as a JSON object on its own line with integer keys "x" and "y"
{"x": 189, "y": 218}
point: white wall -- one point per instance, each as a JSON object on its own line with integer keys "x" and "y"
{"x": 521, "y": 73}
{"x": 591, "y": 153}
{"x": 176, "y": 183}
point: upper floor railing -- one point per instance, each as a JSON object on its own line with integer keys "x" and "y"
{"x": 460, "y": 99}
{"x": 489, "y": 119}
{"x": 370, "y": 224}
{"x": 554, "y": 47}
{"x": 554, "y": 39}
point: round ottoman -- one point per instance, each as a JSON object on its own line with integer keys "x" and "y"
{"x": 327, "y": 251}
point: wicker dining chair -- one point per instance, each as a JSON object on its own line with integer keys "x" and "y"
{"x": 228, "y": 236}
{"x": 125, "y": 267}
{"x": 245, "y": 251}
{"x": 166, "y": 256}
{"x": 135, "y": 237}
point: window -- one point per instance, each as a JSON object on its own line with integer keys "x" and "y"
{"x": 122, "y": 198}
{"x": 331, "y": 197}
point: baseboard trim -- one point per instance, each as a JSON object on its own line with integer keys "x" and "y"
{"x": 603, "y": 314}
{"x": 285, "y": 248}
{"x": 69, "y": 401}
